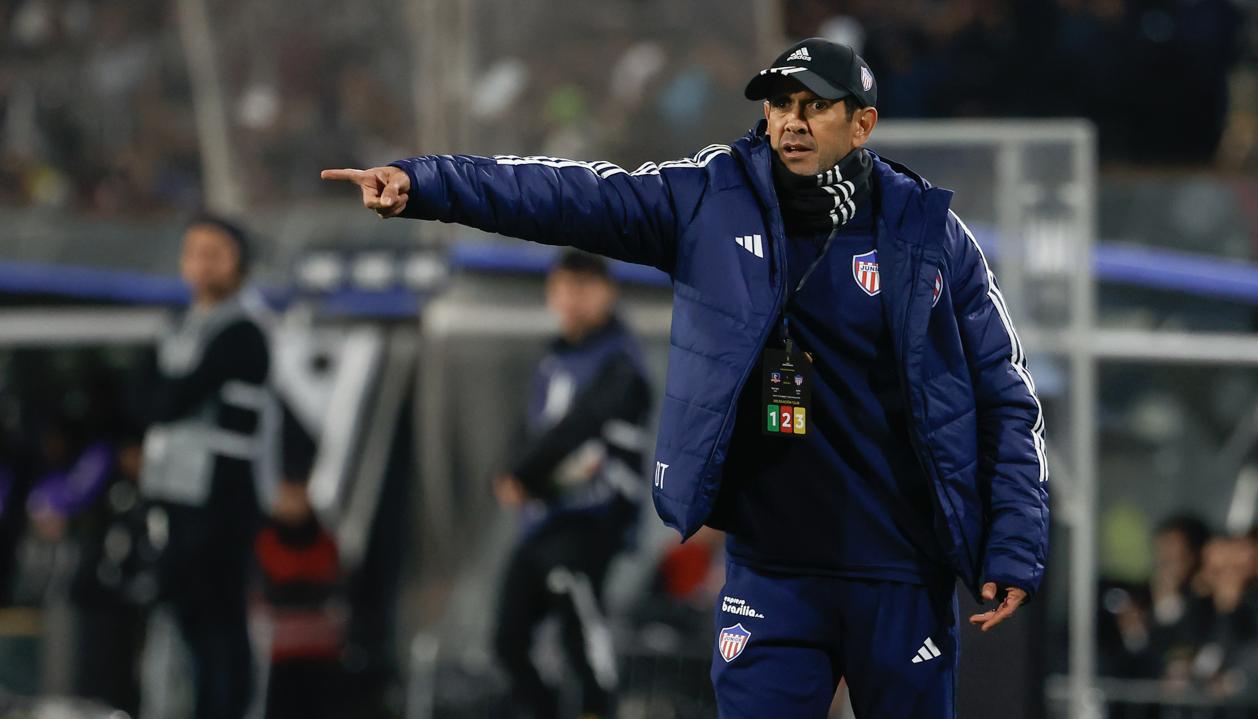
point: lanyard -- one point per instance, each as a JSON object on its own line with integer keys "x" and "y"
{"x": 825, "y": 249}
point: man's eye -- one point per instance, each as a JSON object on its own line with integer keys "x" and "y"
{"x": 820, "y": 105}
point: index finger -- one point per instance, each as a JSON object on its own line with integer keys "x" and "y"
{"x": 344, "y": 175}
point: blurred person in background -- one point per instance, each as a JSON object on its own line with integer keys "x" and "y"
{"x": 113, "y": 584}
{"x": 208, "y": 397}
{"x": 1154, "y": 630}
{"x": 73, "y": 556}
{"x": 921, "y": 456}
{"x": 301, "y": 573}
{"x": 577, "y": 482}
{"x": 1225, "y": 632}
{"x": 1176, "y": 588}
{"x": 301, "y": 579}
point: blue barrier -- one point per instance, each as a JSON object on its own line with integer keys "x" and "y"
{"x": 1149, "y": 267}
{"x": 531, "y": 258}
{"x": 1162, "y": 269}
{"x": 90, "y": 283}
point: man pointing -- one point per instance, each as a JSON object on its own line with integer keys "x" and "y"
{"x": 846, "y": 396}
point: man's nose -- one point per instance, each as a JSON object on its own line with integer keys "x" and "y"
{"x": 795, "y": 123}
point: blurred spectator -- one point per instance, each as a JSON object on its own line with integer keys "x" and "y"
{"x": 677, "y": 611}
{"x": 578, "y": 484}
{"x": 96, "y": 102}
{"x": 301, "y": 577}
{"x": 209, "y": 396}
{"x": 1175, "y": 585}
{"x": 1225, "y": 661}
{"x": 113, "y": 583}
{"x": 1196, "y": 624}
{"x": 1108, "y": 60}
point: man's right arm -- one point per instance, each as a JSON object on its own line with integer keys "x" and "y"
{"x": 597, "y": 207}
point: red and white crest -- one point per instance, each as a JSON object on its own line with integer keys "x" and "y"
{"x": 865, "y": 270}
{"x": 937, "y": 289}
{"x": 732, "y": 642}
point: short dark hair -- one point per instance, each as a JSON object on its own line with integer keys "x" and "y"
{"x": 582, "y": 263}
{"x": 1195, "y": 531}
{"x": 234, "y": 231}
{"x": 852, "y": 105}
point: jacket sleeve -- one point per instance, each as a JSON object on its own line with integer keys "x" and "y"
{"x": 597, "y": 207}
{"x": 1012, "y": 470}
{"x": 619, "y": 391}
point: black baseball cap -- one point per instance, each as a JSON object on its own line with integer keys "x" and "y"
{"x": 831, "y": 70}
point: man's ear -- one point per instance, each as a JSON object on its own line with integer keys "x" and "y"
{"x": 766, "y": 109}
{"x": 863, "y": 125}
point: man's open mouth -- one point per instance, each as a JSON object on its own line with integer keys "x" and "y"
{"x": 791, "y": 149}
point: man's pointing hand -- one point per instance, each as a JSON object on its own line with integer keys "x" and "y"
{"x": 385, "y": 189}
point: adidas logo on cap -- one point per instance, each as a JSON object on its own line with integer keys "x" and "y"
{"x": 800, "y": 54}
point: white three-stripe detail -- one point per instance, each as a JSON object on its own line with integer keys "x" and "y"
{"x": 1017, "y": 356}
{"x": 606, "y": 169}
{"x": 751, "y": 243}
{"x": 844, "y": 205}
{"x": 926, "y": 652}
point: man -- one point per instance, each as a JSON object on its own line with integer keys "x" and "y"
{"x": 846, "y": 396}
{"x": 577, "y": 481}
{"x": 208, "y": 401}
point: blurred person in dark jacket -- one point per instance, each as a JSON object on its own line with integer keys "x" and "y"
{"x": 578, "y": 484}
{"x": 301, "y": 575}
{"x": 301, "y": 572}
{"x": 209, "y": 398}
{"x": 1225, "y": 631}
{"x": 113, "y": 583}
{"x": 1176, "y": 590}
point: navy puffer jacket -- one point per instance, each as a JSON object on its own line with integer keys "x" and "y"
{"x": 977, "y": 426}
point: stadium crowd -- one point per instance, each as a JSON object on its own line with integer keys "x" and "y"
{"x": 121, "y": 137}
{"x": 1194, "y": 624}
{"x": 1125, "y": 64}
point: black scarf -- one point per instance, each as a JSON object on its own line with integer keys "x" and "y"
{"x": 819, "y": 204}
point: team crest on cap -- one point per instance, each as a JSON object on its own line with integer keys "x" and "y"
{"x": 937, "y": 289}
{"x": 865, "y": 270}
{"x": 867, "y": 78}
{"x": 732, "y": 642}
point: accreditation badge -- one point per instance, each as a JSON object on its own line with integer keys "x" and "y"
{"x": 787, "y": 392}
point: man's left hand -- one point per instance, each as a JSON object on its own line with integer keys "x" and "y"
{"x": 1014, "y": 597}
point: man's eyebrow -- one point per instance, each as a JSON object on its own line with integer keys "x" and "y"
{"x": 809, "y": 97}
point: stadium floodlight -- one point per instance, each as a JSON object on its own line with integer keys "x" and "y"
{"x": 374, "y": 271}
{"x": 424, "y": 271}
{"x": 320, "y": 271}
